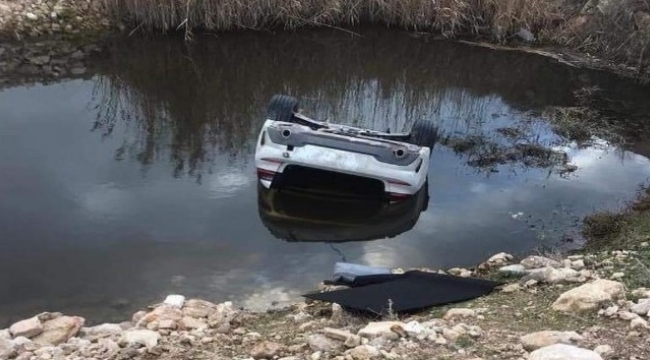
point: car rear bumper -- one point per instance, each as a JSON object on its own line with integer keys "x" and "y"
{"x": 400, "y": 179}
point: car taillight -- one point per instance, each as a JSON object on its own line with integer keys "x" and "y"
{"x": 398, "y": 197}
{"x": 264, "y": 174}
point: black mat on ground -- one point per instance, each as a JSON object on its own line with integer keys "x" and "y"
{"x": 409, "y": 292}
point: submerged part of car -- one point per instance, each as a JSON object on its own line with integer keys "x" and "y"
{"x": 295, "y": 214}
{"x": 290, "y": 142}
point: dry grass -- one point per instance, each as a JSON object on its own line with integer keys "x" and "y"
{"x": 619, "y": 33}
{"x": 495, "y": 18}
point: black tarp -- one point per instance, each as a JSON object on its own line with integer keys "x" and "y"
{"x": 409, "y": 292}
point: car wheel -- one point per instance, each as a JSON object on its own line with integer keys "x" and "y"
{"x": 424, "y": 133}
{"x": 282, "y": 108}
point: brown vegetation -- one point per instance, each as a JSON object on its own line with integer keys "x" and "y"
{"x": 615, "y": 30}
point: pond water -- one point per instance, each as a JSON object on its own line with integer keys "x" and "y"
{"x": 138, "y": 181}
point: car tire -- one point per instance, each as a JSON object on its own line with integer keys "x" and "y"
{"x": 282, "y": 108}
{"x": 424, "y": 133}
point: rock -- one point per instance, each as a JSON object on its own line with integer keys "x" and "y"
{"x": 265, "y": 350}
{"x": 459, "y": 313}
{"x": 413, "y": 328}
{"x": 27, "y": 328}
{"x": 175, "y": 301}
{"x": 381, "y": 329}
{"x": 192, "y": 323}
{"x": 627, "y": 316}
{"x": 536, "y": 262}
{"x": 563, "y": 352}
{"x": 59, "y": 330}
{"x": 336, "y": 334}
{"x": 138, "y": 316}
{"x": 603, "y": 350}
{"x": 31, "y": 16}
{"x": 510, "y": 288}
{"x": 542, "y": 339}
{"x": 101, "y": 331}
{"x": 639, "y": 324}
{"x": 641, "y": 293}
{"x": 353, "y": 341}
{"x": 6, "y": 347}
{"x": 526, "y": 35}
{"x": 617, "y": 276}
{"x": 589, "y": 296}
{"x": 364, "y": 352}
{"x": 39, "y": 60}
{"x": 554, "y": 275}
{"x": 642, "y": 307}
{"x": 578, "y": 264}
{"x": 300, "y": 317}
{"x": 198, "y": 308}
{"x": 499, "y": 259}
{"x": 78, "y": 71}
{"x": 513, "y": 270}
{"x": 611, "y": 311}
{"x": 316, "y": 356}
{"x": 450, "y": 335}
{"x": 337, "y": 313}
{"x": 146, "y": 338}
{"x": 167, "y": 324}
{"x": 464, "y": 273}
{"x": 161, "y": 313}
{"x": 319, "y": 342}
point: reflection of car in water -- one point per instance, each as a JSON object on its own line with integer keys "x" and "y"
{"x": 301, "y": 215}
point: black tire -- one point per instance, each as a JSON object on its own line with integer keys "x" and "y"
{"x": 282, "y": 108}
{"x": 424, "y": 133}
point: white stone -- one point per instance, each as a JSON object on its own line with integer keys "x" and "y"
{"x": 641, "y": 293}
{"x": 563, "y": 352}
{"x": 320, "y": 342}
{"x": 513, "y": 270}
{"x": 459, "y": 313}
{"x": 510, "y": 288}
{"x": 611, "y": 311}
{"x": 317, "y": 355}
{"x": 413, "y": 328}
{"x": 603, "y": 350}
{"x": 639, "y": 324}
{"x": 464, "y": 273}
{"x": 535, "y": 262}
{"x": 175, "y": 301}
{"x": 31, "y": 16}
{"x": 617, "y": 276}
{"x": 627, "y": 316}
{"x": 5, "y": 334}
{"x": 381, "y": 329}
{"x": 59, "y": 330}
{"x": 146, "y": 338}
{"x": 450, "y": 335}
{"x": 336, "y": 334}
{"x": 642, "y": 307}
{"x": 101, "y": 331}
{"x": 364, "y": 352}
{"x": 500, "y": 259}
{"x": 542, "y": 339}
{"x": 27, "y": 328}
{"x": 578, "y": 264}
{"x": 589, "y": 296}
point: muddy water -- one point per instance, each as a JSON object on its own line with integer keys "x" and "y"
{"x": 139, "y": 182}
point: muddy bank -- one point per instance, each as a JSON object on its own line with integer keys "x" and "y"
{"x": 581, "y": 306}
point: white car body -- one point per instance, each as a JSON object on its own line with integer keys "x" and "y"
{"x": 402, "y": 167}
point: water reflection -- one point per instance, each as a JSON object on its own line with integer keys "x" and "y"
{"x": 295, "y": 215}
{"x": 75, "y": 223}
{"x": 208, "y": 98}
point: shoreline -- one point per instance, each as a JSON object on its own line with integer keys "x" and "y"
{"x": 580, "y": 304}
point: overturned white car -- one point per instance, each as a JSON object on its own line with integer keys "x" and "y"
{"x": 295, "y": 149}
